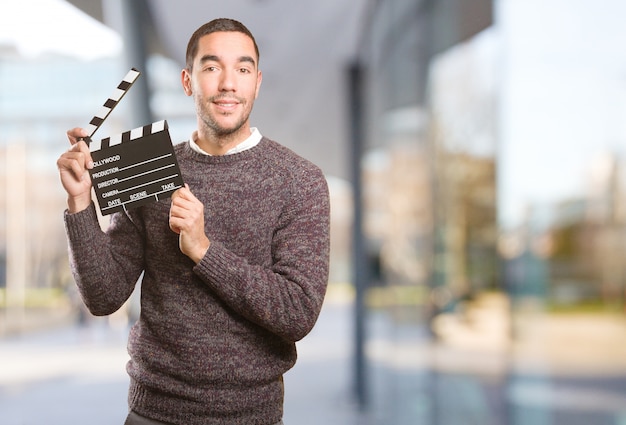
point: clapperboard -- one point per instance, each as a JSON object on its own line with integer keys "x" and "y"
{"x": 135, "y": 167}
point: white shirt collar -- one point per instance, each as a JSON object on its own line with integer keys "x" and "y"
{"x": 250, "y": 142}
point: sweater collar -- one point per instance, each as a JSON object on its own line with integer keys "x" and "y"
{"x": 250, "y": 142}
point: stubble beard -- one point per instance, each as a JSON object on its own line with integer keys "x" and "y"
{"x": 211, "y": 123}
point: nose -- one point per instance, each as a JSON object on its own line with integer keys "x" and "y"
{"x": 227, "y": 80}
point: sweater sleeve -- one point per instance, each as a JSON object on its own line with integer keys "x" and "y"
{"x": 287, "y": 298}
{"x": 105, "y": 265}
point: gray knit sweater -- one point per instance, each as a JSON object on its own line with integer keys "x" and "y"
{"x": 214, "y": 339}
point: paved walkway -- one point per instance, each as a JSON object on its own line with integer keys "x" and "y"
{"x": 74, "y": 375}
{"x": 566, "y": 370}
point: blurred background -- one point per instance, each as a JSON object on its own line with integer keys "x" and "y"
{"x": 475, "y": 152}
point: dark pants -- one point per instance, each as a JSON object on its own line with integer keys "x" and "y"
{"x": 135, "y": 419}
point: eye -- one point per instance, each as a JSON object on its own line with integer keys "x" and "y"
{"x": 210, "y": 68}
{"x": 244, "y": 70}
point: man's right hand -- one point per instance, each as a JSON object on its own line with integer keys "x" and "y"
{"x": 73, "y": 166}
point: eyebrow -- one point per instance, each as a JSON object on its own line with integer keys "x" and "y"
{"x": 215, "y": 58}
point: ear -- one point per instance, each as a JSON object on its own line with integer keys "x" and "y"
{"x": 185, "y": 78}
{"x": 259, "y": 80}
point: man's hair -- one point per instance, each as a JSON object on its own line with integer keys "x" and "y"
{"x": 216, "y": 25}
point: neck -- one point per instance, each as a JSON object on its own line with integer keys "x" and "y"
{"x": 215, "y": 144}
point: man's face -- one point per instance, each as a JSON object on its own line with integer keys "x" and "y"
{"x": 224, "y": 82}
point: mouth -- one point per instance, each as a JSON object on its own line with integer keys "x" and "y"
{"x": 226, "y": 104}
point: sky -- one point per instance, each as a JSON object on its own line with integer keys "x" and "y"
{"x": 60, "y": 29}
{"x": 563, "y": 74}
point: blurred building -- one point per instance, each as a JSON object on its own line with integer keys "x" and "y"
{"x": 429, "y": 184}
{"x": 467, "y": 296}
{"x": 496, "y": 269}
{"x": 36, "y": 109}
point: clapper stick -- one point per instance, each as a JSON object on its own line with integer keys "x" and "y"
{"x": 111, "y": 103}
{"x": 135, "y": 167}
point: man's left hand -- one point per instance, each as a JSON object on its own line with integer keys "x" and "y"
{"x": 187, "y": 220}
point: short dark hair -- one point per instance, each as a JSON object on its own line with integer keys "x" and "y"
{"x": 216, "y": 25}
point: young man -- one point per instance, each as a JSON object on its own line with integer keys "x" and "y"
{"x": 234, "y": 268}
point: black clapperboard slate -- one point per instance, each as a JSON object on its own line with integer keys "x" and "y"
{"x": 134, "y": 168}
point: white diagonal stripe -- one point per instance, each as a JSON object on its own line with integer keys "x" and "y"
{"x": 104, "y": 111}
{"x": 116, "y": 140}
{"x": 158, "y": 126}
{"x": 95, "y": 145}
{"x": 131, "y": 76}
{"x": 136, "y": 133}
{"x": 117, "y": 95}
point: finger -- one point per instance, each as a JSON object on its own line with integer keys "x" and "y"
{"x": 179, "y": 206}
{"x": 80, "y": 154}
{"x": 74, "y": 163}
{"x": 183, "y": 216}
{"x": 175, "y": 195}
{"x": 183, "y": 200}
{"x": 182, "y": 192}
{"x": 184, "y": 213}
{"x": 174, "y": 226}
{"x": 179, "y": 202}
{"x": 75, "y": 156}
{"x": 82, "y": 148}
{"x": 76, "y": 134}
{"x": 178, "y": 220}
